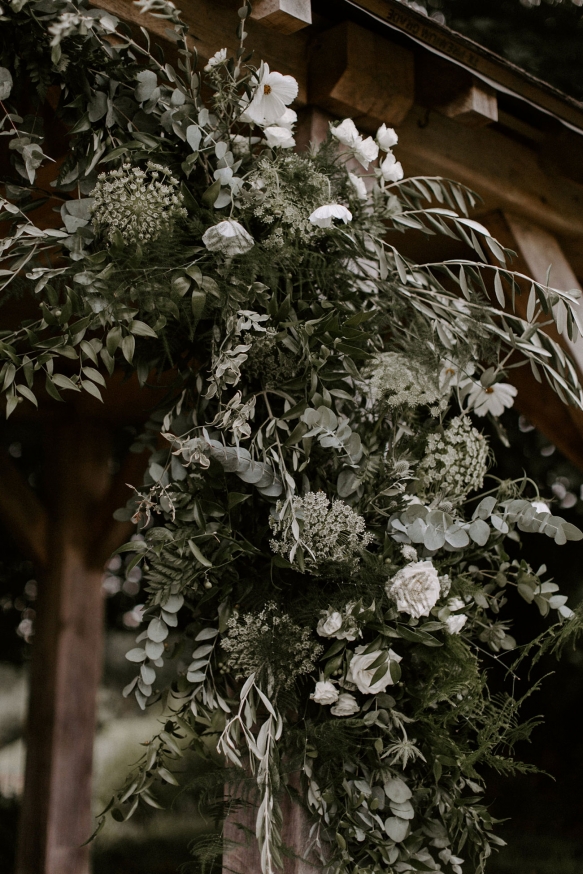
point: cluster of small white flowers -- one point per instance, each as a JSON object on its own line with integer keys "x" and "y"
{"x": 270, "y": 642}
{"x": 455, "y": 462}
{"x": 328, "y": 533}
{"x": 139, "y": 204}
{"x": 397, "y": 380}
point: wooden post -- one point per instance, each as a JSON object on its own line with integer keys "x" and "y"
{"x": 66, "y": 659}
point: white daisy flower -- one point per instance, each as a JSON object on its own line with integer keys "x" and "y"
{"x": 228, "y": 237}
{"x": 218, "y": 58}
{"x": 491, "y": 399}
{"x": 357, "y": 183}
{"x": 277, "y": 136}
{"x": 391, "y": 169}
{"x": 274, "y": 92}
{"x": 386, "y": 138}
{"x": 323, "y": 216}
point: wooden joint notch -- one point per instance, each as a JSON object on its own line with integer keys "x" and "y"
{"x": 285, "y": 16}
{"x": 355, "y": 72}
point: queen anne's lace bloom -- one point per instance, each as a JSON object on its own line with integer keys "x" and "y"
{"x": 415, "y": 588}
{"x": 140, "y": 205}
{"x": 327, "y": 533}
{"x": 397, "y": 380}
{"x": 270, "y": 644}
{"x": 455, "y": 462}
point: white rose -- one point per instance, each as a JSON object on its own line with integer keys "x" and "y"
{"x": 345, "y": 706}
{"x": 386, "y": 138}
{"x": 228, "y": 237}
{"x": 415, "y": 588}
{"x": 329, "y": 624}
{"x": 323, "y": 215}
{"x": 361, "y": 673}
{"x": 454, "y": 624}
{"x": 325, "y": 693}
{"x": 278, "y": 136}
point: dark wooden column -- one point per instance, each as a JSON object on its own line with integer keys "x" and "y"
{"x": 69, "y": 538}
{"x": 66, "y": 657}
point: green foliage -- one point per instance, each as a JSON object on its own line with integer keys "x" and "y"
{"x": 292, "y": 533}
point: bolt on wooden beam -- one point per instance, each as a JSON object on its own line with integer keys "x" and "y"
{"x": 285, "y": 16}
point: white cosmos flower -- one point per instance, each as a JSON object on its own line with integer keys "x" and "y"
{"x": 386, "y": 138}
{"x": 288, "y": 119}
{"x": 361, "y": 673}
{"x": 415, "y": 588}
{"x": 491, "y": 399}
{"x": 228, "y": 237}
{"x": 346, "y": 133}
{"x": 277, "y": 136}
{"x": 366, "y": 151}
{"x": 451, "y": 374}
{"x": 216, "y": 59}
{"x": 322, "y": 217}
{"x": 345, "y": 706}
{"x": 391, "y": 169}
{"x": 325, "y": 693}
{"x": 357, "y": 183}
{"x": 274, "y": 92}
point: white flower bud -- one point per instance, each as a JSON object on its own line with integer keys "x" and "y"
{"x": 325, "y": 693}
{"x": 228, "y": 237}
{"x": 277, "y": 136}
{"x": 345, "y": 706}
{"x": 386, "y": 138}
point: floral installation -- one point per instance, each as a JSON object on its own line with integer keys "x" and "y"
{"x": 319, "y": 531}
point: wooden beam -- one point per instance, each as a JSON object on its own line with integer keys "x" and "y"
{"x": 213, "y": 24}
{"x": 285, "y": 16}
{"x": 66, "y": 659}
{"x": 541, "y": 252}
{"x": 475, "y": 106}
{"x": 355, "y": 72}
{"x": 22, "y": 513}
{"x": 504, "y": 172}
{"x": 562, "y": 424}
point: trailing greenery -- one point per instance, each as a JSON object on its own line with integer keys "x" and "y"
{"x": 317, "y": 521}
